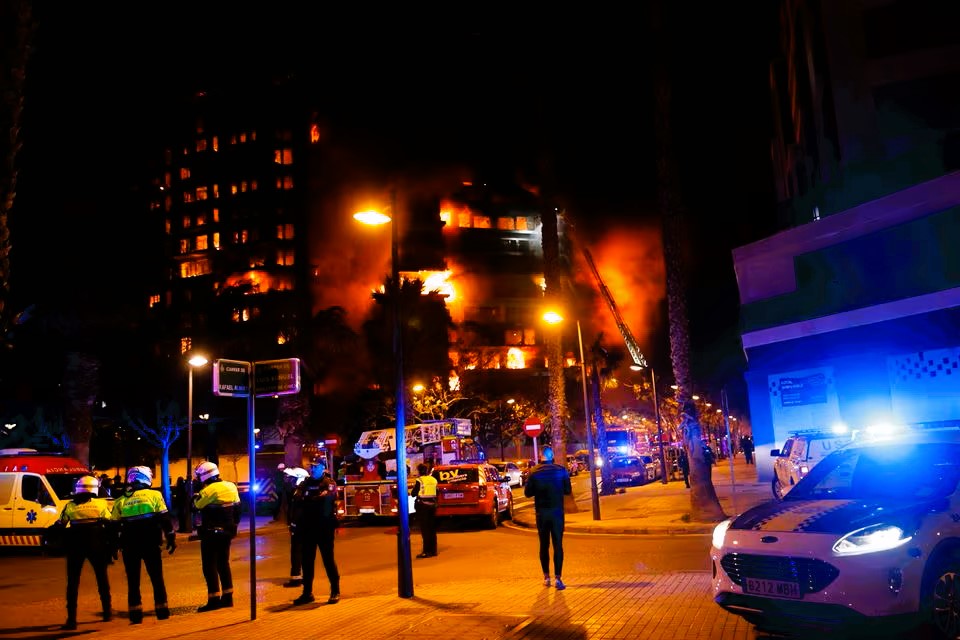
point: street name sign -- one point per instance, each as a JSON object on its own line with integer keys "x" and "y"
{"x": 231, "y": 378}
{"x": 276, "y": 377}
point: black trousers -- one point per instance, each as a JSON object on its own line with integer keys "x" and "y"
{"x": 99, "y": 559}
{"x": 147, "y": 553}
{"x": 319, "y": 539}
{"x": 296, "y": 555}
{"x": 427, "y": 518}
{"x": 215, "y": 563}
{"x": 550, "y": 530}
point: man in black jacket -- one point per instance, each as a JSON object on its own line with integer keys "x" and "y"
{"x": 547, "y": 484}
{"x": 315, "y": 521}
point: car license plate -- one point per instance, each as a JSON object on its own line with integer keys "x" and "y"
{"x": 453, "y": 496}
{"x": 777, "y": 588}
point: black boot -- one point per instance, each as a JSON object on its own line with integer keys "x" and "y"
{"x": 163, "y": 612}
{"x": 71, "y": 623}
{"x": 226, "y": 600}
{"x": 136, "y": 616}
{"x": 213, "y": 603}
{"x": 107, "y": 610}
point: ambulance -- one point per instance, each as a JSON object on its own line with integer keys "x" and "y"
{"x": 34, "y": 487}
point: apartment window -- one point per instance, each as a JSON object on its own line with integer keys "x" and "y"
{"x": 216, "y": 214}
{"x": 285, "y": 257}
{"x": 201, "y": 242}
{"x": 201, "y": 218}
{"x": 253, "y": 185}
{"x": 240, "y": 237}
{"x": 167, "y": 203}
{"x": 187, "y": 196}
{"x": 216, "y": 239}
{"x": 314, "y": 134}
{"x": 186, "y": 222}
{"x": 505, "y": 224}
{"x": 201, "y": 193}
{"x": 246, "y": 314}
{"x": 286, "y": 134}
{"x": 253, "y": 136}
{"x": 257, "y": 261}
{"x": 285, "y": 231}
{"x": 154, "y": 206}
{"x": 523, "y": 224}
{"x": 463, "y": 220}
{"x": 233, "y": 139}
{"x": 284, "y": 182}
{"x": 184, "y": 245}
{"x": 184, "y": 173}
{"x": 529, "y": 336}
{"x": 202, "y": 144}
{"x": 185, "y": 344}
{"x": 283, "y": 156}
{"x": 216, "y": 191}
{"x": 243, "y": 186}
{"x": 215, "y": 143}
{"x": 481, "y": 222}
{"x": 233, "y": 189}
{"x": 166, "y": 179}
{"x": 167, "y": 226}
{"x": 154, "y": 300}
{"x": 243, "y": 137}
{"x": 193, "y": 268}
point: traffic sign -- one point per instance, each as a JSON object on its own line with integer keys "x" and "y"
{"x": 276, "y": 377}
{"x": 532, "y": 426}
{"x": 231, "y": 378}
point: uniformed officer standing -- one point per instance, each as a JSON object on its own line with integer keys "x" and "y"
{"x": 315, "y": 520}
{"x": 144, "y": 522}
{"x": 90, "y": 535}
{"x": 219, "y": 505}
{"x": 425, "y": 495}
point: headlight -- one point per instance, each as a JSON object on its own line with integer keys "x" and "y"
{"x": 878, "y": 537}
{"x": 720, "y": 531}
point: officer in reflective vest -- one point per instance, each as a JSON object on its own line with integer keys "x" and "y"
{"x": 425, "y": 494}
{"x": 144, "y": 523}
{"x": 219, "y": 505}
{"x": 90, "y": 535}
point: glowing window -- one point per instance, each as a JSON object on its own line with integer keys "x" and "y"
{"x": 167, "y": 203}
{"x": 216, "y": 191}
{"x": 285, "y": 231}
{"x": 515, "y": 359}
{"x": 463, "y": 220}
{"x": 166, "y": 179}
{"x": 253, "y": 185}
{"x": 184, "y": 245}
{"x": 201, "y": 193}
{"x": 243, "y": 186}
{"x": 202, "y": 144}
{"x": 184, "y": 173}
{"x": 284, "y": 182}
{"x": 283, "y": 156}
{"x": 201, "y": 243}
{"x": 216, "y": 239}
{"x": 233, "y": 189}
{"x": 523, "y": 224}
{"x": 513, "y": 337}
{"x": 154, "y": 206}
{"x": 216, "y": 214}
{"x": 481, "y": 222}
{"x": 529, "y": 336}
{"x": 215, "y": 143}
{"x": 505, "y": 223}
{"x": 185, "y": 344}
{"x": 201, "y": 218}
{"x": 240, "y": 237}
{"x": 187, "y": 196}
{"x": 253, "y": 136}
{"x": 167, "y": 226}
{"x": 154, "y": 300}
{"x": 233, "y": 139}
{"x": 186, "y": 222}
{"x": 285, "y": 257}
{"x": 243, "y": 137}
{"x": 314, "y": 133}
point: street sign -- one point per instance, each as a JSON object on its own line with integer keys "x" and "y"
{"x": 276, "y": 377}
{"x": 532, "y": 427}
{"x": 231, "y": 378}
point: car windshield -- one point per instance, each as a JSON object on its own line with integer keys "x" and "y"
{"x": 625, "y": 462}
{"x": 63, "y": 483}
{"x": 893, "y": 470}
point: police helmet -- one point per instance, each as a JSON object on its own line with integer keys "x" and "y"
{"x": 205, "y": 471}
{"x": 140, "y": 475}
{"x": 86, "y": 484}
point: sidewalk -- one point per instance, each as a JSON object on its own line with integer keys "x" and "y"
{"x": 657, "y": 508}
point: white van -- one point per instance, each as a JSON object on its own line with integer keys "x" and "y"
{"x": 34, "y": 487}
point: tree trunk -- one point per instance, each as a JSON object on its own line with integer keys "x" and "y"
{"x": 704, "y": 504}
{"x": 606, "y": 474}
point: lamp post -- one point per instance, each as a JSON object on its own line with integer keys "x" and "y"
{"x": 194, "y": 362}
{"x": 404, "y": 565}
{"x": 553, "y": 317}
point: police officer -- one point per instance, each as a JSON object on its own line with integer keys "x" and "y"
{"x": 219, "y": 505}
{"x": 144, "y": 523}
{"x": 425, "y": 495}
{"x": 315, "y": 521}
{"x": 90, "y": 535}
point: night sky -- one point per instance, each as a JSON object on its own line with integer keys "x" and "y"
{"x": 479, "y": 84}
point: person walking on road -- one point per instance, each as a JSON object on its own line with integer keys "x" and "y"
{"x": 144, "y": 523}
{"x": 425, "y": 501}
{"x": 547, "y": 484}
{"x": 219, "y": 505}
{"x": 315, "y": 521}
{"x": 90, "y": 535}
{"x": 290, "y": 482}
{"x": 746, "y": 444}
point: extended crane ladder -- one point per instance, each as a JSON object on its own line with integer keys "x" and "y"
{"x": 628, "y": 338}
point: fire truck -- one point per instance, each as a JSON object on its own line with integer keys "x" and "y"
{"x": 373, "y": 491}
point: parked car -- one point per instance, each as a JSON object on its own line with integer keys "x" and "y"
{"x": 471, "y": 489}
{"x": 800, "y": 452}
{"x": 511, "y": 470}
{"x": 628, "y": 470}
{"x": 653, "y": 468}
{"x": 573, "y": 465}
{"x": 525, "y": 467}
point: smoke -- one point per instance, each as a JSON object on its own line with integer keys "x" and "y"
{"x": 630, "y": 262}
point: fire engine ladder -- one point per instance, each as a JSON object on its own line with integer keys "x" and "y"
{"x": 628, "y": 338}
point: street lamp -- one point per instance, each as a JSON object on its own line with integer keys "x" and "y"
{"x": 404, "y": 566}
{"x": 553, "y": 317}
{"x": 194, "y": 362}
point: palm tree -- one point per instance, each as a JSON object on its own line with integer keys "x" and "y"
{"x": 704, "y": 504}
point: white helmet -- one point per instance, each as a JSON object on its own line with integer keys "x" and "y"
{"x": 140, "y": 475}
{"x": 205, "y": 471}
{"x": 86, "y": 484}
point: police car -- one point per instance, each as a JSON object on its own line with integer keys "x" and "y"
{"x": 800, "y": 452}
{"x": 868, "y": 540}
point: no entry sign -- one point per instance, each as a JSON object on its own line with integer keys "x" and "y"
{"x": 532, "y": 427}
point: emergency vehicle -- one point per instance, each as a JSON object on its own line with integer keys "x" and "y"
{"x": 867, "y": 541}
{"x": 34, "y": 488}
{"x": 800, "y": 452}
{"x": 374, "y": 492}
